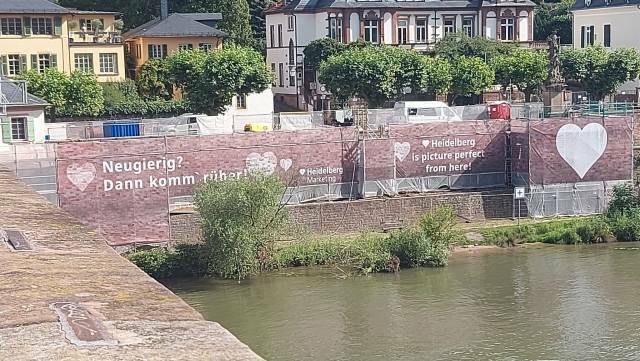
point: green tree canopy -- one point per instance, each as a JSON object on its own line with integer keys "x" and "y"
{"x": 527, "y": 69}
{"x": 153, "y": 79}
{"x": 554, "y": 17}
{"x": 210, "y": 80}
{"x": 77, "y": 95}
{"x": 320, "y": 50}
{"x": 599, "y": 71}
{"x": 455, "y": 45}
{"x": 470, "y": 76}
{"x": 236, "y": 19}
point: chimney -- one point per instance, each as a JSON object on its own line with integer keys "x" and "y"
{"x": 164, "y": 9}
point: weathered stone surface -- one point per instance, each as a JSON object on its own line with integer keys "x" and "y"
{"x": 71, "y": 263}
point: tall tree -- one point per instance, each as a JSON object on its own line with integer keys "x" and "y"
{"x": 455, "y": 45}
{"x": 554, "y": 17}
{"x": 599, "y": 71}
{"x": 236, "y": 19}
{"x": 470, "y": 76}
{"x": 258, "y": 23}
{"x": 527, "y": 69}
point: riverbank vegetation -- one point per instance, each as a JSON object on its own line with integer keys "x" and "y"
{"x": 244, "y": 222}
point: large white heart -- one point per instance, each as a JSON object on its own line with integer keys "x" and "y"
{"x": 581, "y": 148}
{"x": 401, "y": 150}
{"x": 81, "y": 175}
{"x": 261, "y": 163}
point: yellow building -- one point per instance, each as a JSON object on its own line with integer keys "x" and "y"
{"x": 38, "y": 34}
{"x": 169, "y": 33}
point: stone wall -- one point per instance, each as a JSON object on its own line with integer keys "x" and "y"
{"x": 372, "y": 214}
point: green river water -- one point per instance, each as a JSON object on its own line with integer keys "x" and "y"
{"x": 548, "y": 303}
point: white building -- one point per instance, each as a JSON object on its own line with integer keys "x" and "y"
{"x": 612, "y": 24}
{"x": 21, "y": 114}
{"x": 293, "y": 24}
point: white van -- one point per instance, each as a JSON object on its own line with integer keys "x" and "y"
{"x": 424, "y": 112}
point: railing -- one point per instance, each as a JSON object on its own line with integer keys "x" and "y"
{"x": 95, "y": 37}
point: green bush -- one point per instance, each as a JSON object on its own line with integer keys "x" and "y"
{"x": 626, "y": 226}
{"x": 121, "y": 98}
{"x": 570, "y": 231}
{"x": 186, "y": 260}
{"x": 241, "y": 219}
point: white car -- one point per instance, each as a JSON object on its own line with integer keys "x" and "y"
{"x": 424, "y": 112}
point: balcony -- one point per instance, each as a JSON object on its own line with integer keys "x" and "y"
{"x": 94, "y": 37}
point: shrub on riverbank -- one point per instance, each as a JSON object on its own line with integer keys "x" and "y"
{"x": 426, "y": 244}
{"x": 186, "y": 260}
{"x": 568, "y": 231}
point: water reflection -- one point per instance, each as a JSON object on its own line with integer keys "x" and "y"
{"x": 565, "y": 303}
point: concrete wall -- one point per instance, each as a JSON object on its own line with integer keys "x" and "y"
{"x": 372, "y": 214}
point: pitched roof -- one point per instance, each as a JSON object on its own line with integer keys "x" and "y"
{"x": 14, "y": 93}
{"x": 310, "y": 5}
{"x": 595, "y": 4}
{"x": 179, "y": 24}
{"x": 31, "y": 7}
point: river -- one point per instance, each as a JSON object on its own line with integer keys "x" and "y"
{"x": 546, "y": 303}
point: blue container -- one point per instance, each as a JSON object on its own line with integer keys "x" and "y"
{"x": 121, "y": 129}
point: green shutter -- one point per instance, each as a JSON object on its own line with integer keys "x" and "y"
{"x": 102, "y": 24}
{"x": 91, "y": 62}
{"x": 53, "y": 59}
{"x": 34, "y": 62}
{"x": 23, "y": 63}
{"x": 115, "y": 63}
{"x": 57, "y": 25}
{"x": 26, "y": 26}
{"x": 6, "y": 130}
{"x": 164, "y": 50}
{"x": 150, "y": 49}
{"x": 31, "y": 133}
{"x": 4, "y": 69}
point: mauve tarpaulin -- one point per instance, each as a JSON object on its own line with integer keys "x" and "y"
{"x": 586, "y": 149}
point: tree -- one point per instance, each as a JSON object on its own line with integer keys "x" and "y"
{"x": 470, "y": 76}
{"x": 210, "y": 80}
{"x": 454, "y": 45}
{"x": 554, "y": 17}
{"x": 320, "y": 50}
{"x": 77, "y": 95}
{"x": 153, "y": 79}
{"x": 258, "y": 24}
{"x": 236, "y": 19}
{"x": 599, "y": 71}
{"x": 241, "y": 218}
{"x": 527, "y": 69}
{"x": 436, "y": 76}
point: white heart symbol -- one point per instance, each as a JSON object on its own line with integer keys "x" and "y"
{"x": 401, "y": 150}
{"x": 286, "y": 164}
{"x": 425, "y": 143}
{"x": 581, "y": 148}
{"x": 302, "y": 171}
{"x": 261, "y": 163}
{"x": 81, "y": 175}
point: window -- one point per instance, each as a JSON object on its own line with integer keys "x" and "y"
{"x": 185, "y": 46}
{"x": 109, "y": 63}
{"x": 271, "y": 36}
{"x": 41, "y": 26}
{"x": 467, "y": 26}
{"x": 291, "y": 22}
{"x": 587, "y": 36}
{"x": 157, "y": 51}
{"x": 273, "y": 72}
{"x": 281, "y": 75}
{"x": 206, "y": 47}
{"x": 241, "y": 101}
{"x": 279, "y": 35}
{"x": 83, "y": 62}
{"x": 371, "y": 31}
{"x": 421, "y": 30}
{"x": 42, "y": 62}
{"x": 85, "y": 25}
{"x": 19, "y": 128}
{"x": 506, "y": 29}
{"x": 607, "y": 36}
{"x": 449, "y": 25}
{"x": 403, "y": 25}
{"x": 335, "y": 28}
{"x": 14, "y": 63}
{"x": 292, "y": 53}
{"x": 292, "y": 77}
{"x": 11, "y": 26}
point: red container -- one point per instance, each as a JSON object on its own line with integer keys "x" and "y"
{"x": 500, "y": 110}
